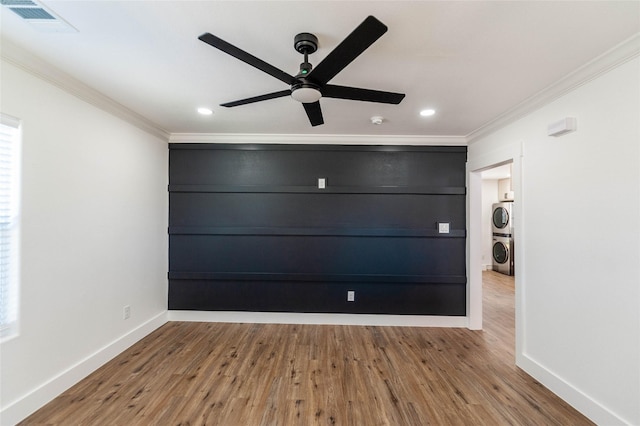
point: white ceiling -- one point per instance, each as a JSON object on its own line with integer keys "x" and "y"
{"x": 472, "y": 61}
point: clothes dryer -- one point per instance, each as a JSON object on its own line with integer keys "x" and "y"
{"x": 502, "y": 219}
{"x": 503, "y": 255}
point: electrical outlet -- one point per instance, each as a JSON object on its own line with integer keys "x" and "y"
{"x": 351, "y": 296}
{"x": 322, "y": 183}
{"x": 126, "y": 312}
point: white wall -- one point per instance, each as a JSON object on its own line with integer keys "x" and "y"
{"x": 94, "y": 239}
{"x": 579, "y": 296}
{"x": 489, "y": 197}
{"x": 505, "y": 189}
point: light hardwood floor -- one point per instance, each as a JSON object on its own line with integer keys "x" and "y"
{"x": 260, "y": 374}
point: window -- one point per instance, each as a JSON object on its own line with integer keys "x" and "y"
{"x": 9, "y": 224}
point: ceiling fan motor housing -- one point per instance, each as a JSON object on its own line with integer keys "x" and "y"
{"x": 305, "y": 43}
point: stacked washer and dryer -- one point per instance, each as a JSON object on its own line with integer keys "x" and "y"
{"x": 502, "y": 227}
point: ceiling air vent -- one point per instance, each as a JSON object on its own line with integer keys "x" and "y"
{"x": 40, "y": 18}
{"x": 17, "y": 3}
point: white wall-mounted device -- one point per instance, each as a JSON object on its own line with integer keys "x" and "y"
{"x": 443, "y": 227}
{"x": 322, "y": 183}
{"x": 562, "y": 127}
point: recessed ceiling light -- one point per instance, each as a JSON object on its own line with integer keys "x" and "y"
{"x": 205, "y": 111}
{"x": 427, "y": 112}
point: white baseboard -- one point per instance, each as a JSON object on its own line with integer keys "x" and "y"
{"x": 582, "y": 402}
{"x": 29, "y": 403}
{"x": 311, "y": 318}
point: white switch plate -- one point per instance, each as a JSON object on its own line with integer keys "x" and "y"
{"x": 126, "y": 312}
{"x": 443, "y": 228}
{"x": 322, "y": 183}
{"x": 351, "y": 296}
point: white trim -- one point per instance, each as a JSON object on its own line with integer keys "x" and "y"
{"x": 476, "y": 163}
{"x": 602, "y": 64}
{"x": 47, "y": 72}
{"x": 582, "y": 402}
{"x": 474, "y": 249}
{"x": 317, "y": 139}
{"x": 321, "y": 319}
{"x": 18, "y": 410}
{"x": 8, "y": 120}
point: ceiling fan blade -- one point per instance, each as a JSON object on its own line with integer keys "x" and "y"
{"x": 358, "y": 94}
{"x": 266, "y": 97}
{"x": 230, "y": 49}
{"x": 314, "y": 112}
{"x": 357, "y": 42}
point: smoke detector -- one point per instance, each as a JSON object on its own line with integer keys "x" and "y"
{"x": 376, "y": 119}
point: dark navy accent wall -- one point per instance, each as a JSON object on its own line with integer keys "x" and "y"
{"x": 249, "y": 229}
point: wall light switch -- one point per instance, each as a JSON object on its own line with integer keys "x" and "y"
{"x": 322, "y": 183}
{"x": 443, "y": 227}
{"x": 351, "y": 296}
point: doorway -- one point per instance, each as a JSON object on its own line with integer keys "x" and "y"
{"x": 497, "y": 220}
{"x": 498, "y": 263}
{"x": 495, "y": 166}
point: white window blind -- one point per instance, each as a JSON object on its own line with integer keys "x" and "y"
{"x": 9, "y": 224}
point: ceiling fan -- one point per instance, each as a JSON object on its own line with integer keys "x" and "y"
{"x": 310, "y": 84}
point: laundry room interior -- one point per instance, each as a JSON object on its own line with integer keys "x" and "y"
{"x": 497, "y": 220}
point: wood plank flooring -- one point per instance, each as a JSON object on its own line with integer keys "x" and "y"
{"x": 264, "y": 374}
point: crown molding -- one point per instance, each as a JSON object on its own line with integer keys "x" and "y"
{"x": 317, "y": 139}
{"x": 19, "y": 57}
{"x": 614, "y": 57}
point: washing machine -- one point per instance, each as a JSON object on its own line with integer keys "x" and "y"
{"x": 503, "y": 255}
{"x": 502, "y": 219}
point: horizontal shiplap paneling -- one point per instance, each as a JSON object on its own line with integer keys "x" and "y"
{"x": 318, "y": 296}
{"x": 249, "y": 229}
{"x": 319, "y": 210}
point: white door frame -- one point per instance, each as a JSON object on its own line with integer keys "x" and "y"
{"x": 476, "y": 163}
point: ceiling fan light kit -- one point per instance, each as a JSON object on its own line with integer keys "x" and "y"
{"x": 306, "y": 94}
{"x": 310, "y": 84}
